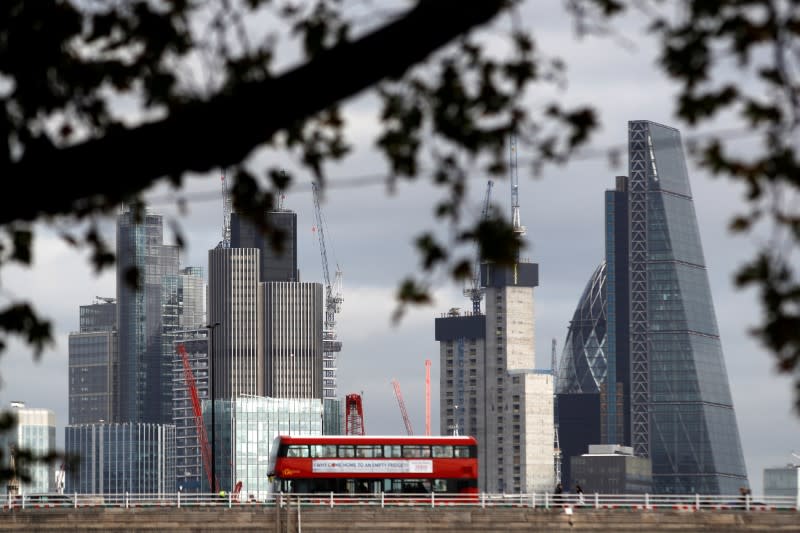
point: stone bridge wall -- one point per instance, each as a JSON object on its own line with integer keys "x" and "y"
{"x": 363, "y": 520}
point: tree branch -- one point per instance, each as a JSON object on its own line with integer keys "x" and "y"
{"x": 222, "y": 131}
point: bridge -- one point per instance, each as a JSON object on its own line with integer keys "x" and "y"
{"x": 381, "y": 513}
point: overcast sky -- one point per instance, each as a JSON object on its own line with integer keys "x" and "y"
{"x": 370, "y": 234}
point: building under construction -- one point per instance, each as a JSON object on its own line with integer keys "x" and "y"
{"x": 488, "y": 386}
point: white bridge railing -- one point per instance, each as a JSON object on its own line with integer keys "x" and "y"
{"x": 545, "y": 501}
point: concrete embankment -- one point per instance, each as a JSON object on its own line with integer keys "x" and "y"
{"x": 361, "y": 520}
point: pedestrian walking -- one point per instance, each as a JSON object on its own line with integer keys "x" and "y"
{"x": 559, "y": 491}
{"x": 579, "y": 492}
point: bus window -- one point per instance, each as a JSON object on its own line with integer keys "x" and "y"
{"x": 462, "y": 451}
{"x": 416, "y": 451}
{"x": 440, "y": 485}
{"x": 368, "y": 451}
{"x": 297, "y": 450}
{"x": 392, "y": 451}
{"x": 323, "y": 450}
{"x": 411, "y": 486}
{"x": 346, "y": 451}
{"x": 443, "y": 451}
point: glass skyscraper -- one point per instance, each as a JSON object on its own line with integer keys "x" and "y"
{"x": 147, "y": 303}
{"x": 682, "y": 413}
{"x": 93, "y": 365}
{"x": 584, "y": 367}
{"x": 663, "y": 388}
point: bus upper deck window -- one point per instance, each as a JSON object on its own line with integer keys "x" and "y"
{"x": 462, "y": 451}
{"x": 297, "y": 450}
{"x": 416, "y": 451}
{"x": 443, "y": 451}
{"x": 323, "y": 450}
{"x": 390, "y": 450}
{"x": 368, "y": 451}
{"x": 347, "y": 451}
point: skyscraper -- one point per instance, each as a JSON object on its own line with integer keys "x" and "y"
{"x": 93, "y": 360}
{"x": 489, "y": 386}
{"x": 682, "y": 413}
{"x": 233, "y": 303}
{"x": 616, "y": 392}
{"x": 665, "y": 389}
{"x": 189, "y": 470}
{"x": 292, "y": 330}
{"x": 145, "y": 358}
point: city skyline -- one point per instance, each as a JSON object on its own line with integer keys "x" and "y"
{"x": 366, "y": 220}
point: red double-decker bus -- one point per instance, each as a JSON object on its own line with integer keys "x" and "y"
{"x": 371, "y": 465}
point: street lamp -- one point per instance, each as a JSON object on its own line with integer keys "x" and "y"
{"x": 211, "y": 377}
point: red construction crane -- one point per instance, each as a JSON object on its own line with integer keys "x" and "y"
{"x": 402, "y": 404}
{"x": 354, "y": 415}
{"x": 205, "y": 451}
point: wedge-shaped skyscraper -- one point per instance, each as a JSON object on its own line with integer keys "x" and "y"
{"x": 681, "y": 408}
{"x": 664, "y": 389}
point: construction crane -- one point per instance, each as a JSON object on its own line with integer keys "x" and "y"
{"x": 105, "y": 299}
{"x": 475, "y": 292}
{"x": 354, "y": 415}
{"x": 202, "y": 437}
{"x": 516, "y": 222}
{"x": 331, "y": 344}
{"x": 402, "y": 404}
{"x": 556, "y": 443}
{"x": 226, "y": 213}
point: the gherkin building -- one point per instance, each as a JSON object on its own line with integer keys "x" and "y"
{"x": 583, "y": 361}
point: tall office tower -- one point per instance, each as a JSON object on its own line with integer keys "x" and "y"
{"x": 233, "y": 303}
{"x": 189, "y": 469}
{"x": 489, "y": 387}
{"x": 292, "y": 339}
{"x": 181, "y": 308}
{"x": 145, "y": 358}
{"x": 519, "y": 400}
{"x": 682, "y": 414}
{"x": 93, "y": 359}
{"x": 35, "y": 432}
{"x": 276, "y": 265}
{"x": 121, "y": 458}
{"x": 615, "y": 393}
{"x": 191, "y": 295}
{"x": 582, "y": 374}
